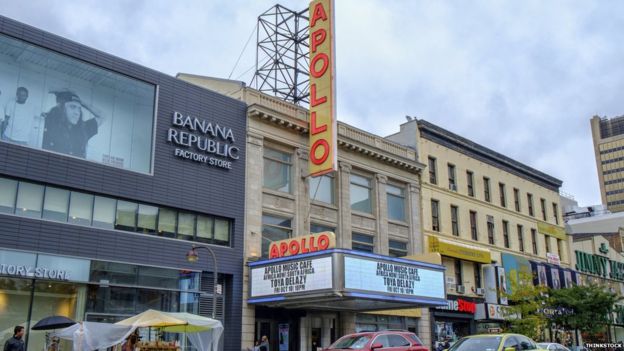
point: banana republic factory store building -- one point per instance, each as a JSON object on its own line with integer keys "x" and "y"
{"x": 109, "y": 173}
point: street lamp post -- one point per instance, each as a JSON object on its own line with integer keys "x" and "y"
{"x": 193, "y": 256}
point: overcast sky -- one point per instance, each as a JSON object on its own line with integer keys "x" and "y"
{"x": 520, "y": 77}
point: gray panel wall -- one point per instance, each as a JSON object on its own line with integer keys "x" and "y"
{"x": 175, "y": 182}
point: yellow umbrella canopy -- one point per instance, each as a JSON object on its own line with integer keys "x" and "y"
{"x": 153, "y": 318}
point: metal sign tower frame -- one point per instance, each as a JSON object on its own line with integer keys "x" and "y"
{"x": 282, "y": 55}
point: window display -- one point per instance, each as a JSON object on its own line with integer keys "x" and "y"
{"x": 57, "y": 103}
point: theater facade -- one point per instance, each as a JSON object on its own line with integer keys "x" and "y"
{"x": 109, "y": 173}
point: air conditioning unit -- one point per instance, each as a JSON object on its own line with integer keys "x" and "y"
{"x": 460, "y": 289}
{"x": 450, "y": 280}
{"x": 480, "y": 291}
{"x": 450, "y": 286}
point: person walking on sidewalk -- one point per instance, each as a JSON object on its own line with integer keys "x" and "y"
{"x": 16, "y": 342}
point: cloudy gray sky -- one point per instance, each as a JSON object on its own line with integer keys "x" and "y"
{"x": 520, "y": 77}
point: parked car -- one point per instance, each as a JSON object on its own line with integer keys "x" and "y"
{"x": 495, "y": 342}
{"x": 388, "y": 340}
{"x": 552, "y": 346}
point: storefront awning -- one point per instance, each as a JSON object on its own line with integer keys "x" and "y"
{"x": 346, "y": 280}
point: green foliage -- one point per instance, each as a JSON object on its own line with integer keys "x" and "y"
{"x": 592, "y": 306}
{"x": 526, "y": 301}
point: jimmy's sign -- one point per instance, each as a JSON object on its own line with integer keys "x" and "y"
{"x": 323, "y": 130}
{"x": 302, "y": 244}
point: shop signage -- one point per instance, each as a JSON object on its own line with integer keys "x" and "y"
{"x": 202, "y": 141}
{"x": 553, "y": 258}
{"x": 292, "y": 277}
{"x": 463, "y": 252}
{"x": 492, "y": 311}
{"x": 599, "y": 265}
{"x": 302, "y": 244}
{"x": 549, "y": 229}
{"x": 47, "y": 267}
{"x": 459, "y": 305}
{"x": 393, "y": 278}
{"x": 323, "y": 126}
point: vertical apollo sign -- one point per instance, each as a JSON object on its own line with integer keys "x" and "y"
{"x": 323, "y": 130}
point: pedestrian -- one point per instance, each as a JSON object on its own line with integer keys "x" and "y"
{"x": 256, "y": 346}
{"x": 15, "y": 343}
{"x": 264, "y": 343}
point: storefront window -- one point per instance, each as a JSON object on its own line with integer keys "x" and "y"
{"x": 80, "y": 208}
{"x": 111, "y": 115}
{"x": 55, "y": 204}
{"x": 29, "y": 200}
{"x": 8, "y": 191}
{"x": 104, "y": 212}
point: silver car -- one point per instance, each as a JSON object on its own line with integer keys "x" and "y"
{"x": 552, "y": 346}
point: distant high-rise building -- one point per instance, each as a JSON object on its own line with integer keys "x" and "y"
{"x": 608, "y": 136}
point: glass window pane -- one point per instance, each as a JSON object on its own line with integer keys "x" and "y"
{"x": 118, "y": 133}
{"x": 322, "y": 189}
{"x": 362, "y": 238}
{"x": 394, "y": 190}
{"x": 319, "y": 228}
{"x": 277, "y": 155}
{"x": 126, "y": 215}
{"x": 396, "y": 207}
{"x": 276, "y": 175}
{"x": 361, "y": 199}
{"x": 8, "y": 191}
{"x": 56, "y": 203}
{"x": 279, "y": 221}
{"x": 148, "y": 216}
{"x": 271, "y": 232}
{"x": 186, "y": 226}
{"x": 167, "y": 222}
{"x": 222, "y": 230}
{"x": 80, "y": 208}
{"x": 29, "y": 200}
{"x": 104, "y": 212}
{"x": 204, "y": 228}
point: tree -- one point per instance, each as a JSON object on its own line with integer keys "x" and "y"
{"x": 526, "y": 303}
{"x": 591, "y": 305}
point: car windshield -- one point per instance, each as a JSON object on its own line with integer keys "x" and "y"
{"x": 543, "y": 345}
{"x": 477, "y": 344}
{"x": 351, "y": 342}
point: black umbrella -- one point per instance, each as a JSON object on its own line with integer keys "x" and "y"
{"x": 53, "y": 322}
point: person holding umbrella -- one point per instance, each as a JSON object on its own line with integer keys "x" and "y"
{"x": 15, "y": 343}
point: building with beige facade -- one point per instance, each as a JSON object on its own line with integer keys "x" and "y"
{"x": 372, "y": 203}
{"x": 482, "y": 209}
{"x": 608, "y": 138}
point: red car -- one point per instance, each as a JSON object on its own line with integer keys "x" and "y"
{"x": 387, "y": 340}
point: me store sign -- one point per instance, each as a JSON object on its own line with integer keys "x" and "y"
{"x": 599, "y": 265}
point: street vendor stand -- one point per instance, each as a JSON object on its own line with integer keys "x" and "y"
{"x": 203, "y": 333}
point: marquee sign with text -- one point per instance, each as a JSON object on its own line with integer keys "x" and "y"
{"x": 393, "y": 278}
{"x": 323, "y": 126}
{"x": 302, "y": 244}
{"x": 292, "y": 277}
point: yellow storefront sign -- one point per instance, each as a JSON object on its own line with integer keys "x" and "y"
{"x": 549, "y": 229}
{"x": 448, "y": 248}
